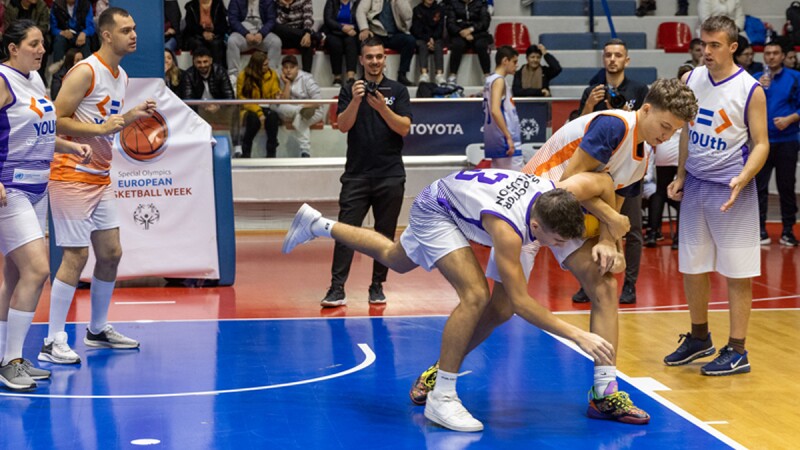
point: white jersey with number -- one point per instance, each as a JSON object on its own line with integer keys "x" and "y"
{"x": 506, "y": 194}
{"x": 494, "y": 141}
{"x": 718, "y": 135}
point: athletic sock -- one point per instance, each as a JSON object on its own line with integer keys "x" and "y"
{"x": 737, "y": 344}
{"x": 19, "y": 322}
{"x": 322, "y": 227}
{"x": 605, "y": 380}
{"x": 445, "y": 382}
{"x": 61, "y": 295}
{"x": 3, "y": 328}
{"x": 101, "y": 300}
{"x": 700, "y": 331}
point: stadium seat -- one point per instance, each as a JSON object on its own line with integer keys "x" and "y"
{"x": 581, "y": 8}
{"x": 567, "y": 41}
{"x": 634, "y": 41}
{"x": 513, "y": 34}
{"x": 673, "y": 37}
{"x": 580, "y": 76}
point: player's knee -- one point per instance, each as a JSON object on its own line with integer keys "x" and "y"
{"x": 75, "y": 258}
{"x": 476, "y": 297}
{"x": 38, "y": 273}
{"x": 110, "y": 256}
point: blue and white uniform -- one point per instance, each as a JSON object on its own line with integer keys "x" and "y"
{"x": 27, "y": 143}
{"x": 494, "y": 141}
{"x": 711, "y": 240}
{"x": 446, "y": 215}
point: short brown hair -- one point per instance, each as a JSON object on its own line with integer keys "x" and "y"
{"x": 670, "y": 94}
{"x": 721, "y": 23}
{"x": 559, "y": 212}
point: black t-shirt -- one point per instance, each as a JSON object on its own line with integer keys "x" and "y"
{"x": 373, "y": 149}
{"x": 633, "y": 91}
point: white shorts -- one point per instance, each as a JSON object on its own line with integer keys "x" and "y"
{"x": 528, "y": 256}
{"x": 715, "y": 241}
{"x": 21, "y": 221}
{"x": 79, "y": 209}
{"x": 431, "y": 233}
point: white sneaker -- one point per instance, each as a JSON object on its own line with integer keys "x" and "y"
{"x": 447, "y": 411}
{"x": 300, "y": 230}
{"x": 237, "y": 151}
{"x": 440, "y": 78}
{"x": 108, "y": 337}
{"x": 57, "y": 351}
{"x": 424, "y": 78}
{"x": 452, "y": 79}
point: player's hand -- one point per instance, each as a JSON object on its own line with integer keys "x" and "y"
{"x": 144, "y": 109}
{"x": 604, "y": 255}
{"x": 3, "y": 201}
{"x": 83, "y": 151}
{"x": 596, "y": 347}
{"x": 675, "y": 190}
{"x": 511, "y": 149}
{"x": 113, "y": 124}
{"x": 737, "y": 184}
{"x": 618, "y": 226}
{"x": 619, "y": 263}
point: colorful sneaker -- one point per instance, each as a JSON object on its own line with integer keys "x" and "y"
{"x": 728, "y": 362}
{"x": 300, "y": 230}
{"x": 35, "y": 372}
{"x": 57, "y": 351}
{"x": 690, "y": 350}
{"x": 376, "y": 295}
{"x": 334, "y": 297}
{"x": 14, "y": 376}
{"x": 615, "y": 406}
{"x": 447, "y": 411}
{"x": 109, "y": 338}
{"x": 424, "y": 385}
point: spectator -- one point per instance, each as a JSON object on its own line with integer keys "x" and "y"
{"x": 2, "y": 19}
{"x": 299, "y": 85}
{"x": 390, "y": 21}
{"x": 790, "y": 61}
{"x": 744, "y": 58}
{"x": 295, "y": 27}
{"x": 341, "y": 37}
{"x": 207, "y": 80}
{"x": 782, "y": 87}
{"x": 427, "y": 27}
{"x": 172, "y": 24}
{"x": 251, "y": 28}
{"x": 501, "y": 131}
{"x": 71, "y": 24}
{"x": 468, "y": 26}
{"x": 647, "y": 7}
{"x": 206, "y": 26}
{"x": 71, "y": 58}
{"x": 696, "y": 53}
{"x": 730, "y": 8}
{"x": 38, "y": 12}
{"x": 98, "y": 6}
{"x": 259, "y": 81}
{"x": 533, "y": 79}
{"x": 173, "y": 75}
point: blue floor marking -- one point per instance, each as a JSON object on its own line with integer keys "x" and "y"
{"x": 527, "y": 388}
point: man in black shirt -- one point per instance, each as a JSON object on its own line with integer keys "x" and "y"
{"x": 611, "y": 86}
{"x": 375, "y": 112}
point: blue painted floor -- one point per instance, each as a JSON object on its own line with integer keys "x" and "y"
{"x": 262, "y": 384}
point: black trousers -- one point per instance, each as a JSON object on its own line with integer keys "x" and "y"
{"x": 632, "y": 207}
{"x": 385, "y": 196}
{"x": 480, "y": 44}
{"x": 251, "y": 126}
{"x": 655, "y": 212}
{"x": 339, "y": 46}
{"x": 290, "y": 38}
{"x": 783, "y": 158}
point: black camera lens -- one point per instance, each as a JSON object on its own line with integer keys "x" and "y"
{"x": 371, "y": 87}
{"x": 615, "y": 99}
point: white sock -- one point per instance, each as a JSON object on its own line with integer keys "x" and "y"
{"x": 3, "y": 328}
{"x": 322, "y": 227}
{"x": 61, "y": 295}
{"x": 446, "y": 382}
{"x": 101, "y": 300}
{"x": 19, "y": 322}
{"x": 603, "y": 377}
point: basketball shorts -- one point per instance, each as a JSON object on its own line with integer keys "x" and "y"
{"x": 79, "y": 209}
{"x": 22, "y": 220}
{"x": 716, "y": 241}
{"x": 431, "y": 233}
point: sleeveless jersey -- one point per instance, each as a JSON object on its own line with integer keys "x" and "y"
{"x": 718, "y": 136}
{"x": 507, "y": 194}
{"x": 104, "y": 98}
{"x": 494, "y": 141}
{"x": 27, "y": 133}
{"x": 626, "y": 165}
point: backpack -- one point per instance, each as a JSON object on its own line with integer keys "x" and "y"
{"x": 755, "y": 30}
{"x": 793, "y": 23}
{"x": 444, "y": 90}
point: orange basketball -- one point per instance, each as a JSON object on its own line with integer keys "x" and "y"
{"x": 144, "y": 139}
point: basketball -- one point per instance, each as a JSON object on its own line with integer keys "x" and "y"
{"x": 592, "y": 226}
{"x": 144, "y": 139}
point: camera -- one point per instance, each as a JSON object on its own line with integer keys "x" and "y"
{"x": 371, "y": 87}
{"x": 615, "y": 98}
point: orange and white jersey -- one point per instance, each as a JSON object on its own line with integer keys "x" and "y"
{"x": 104, "y": 97}
{"x": 608, "y": 136}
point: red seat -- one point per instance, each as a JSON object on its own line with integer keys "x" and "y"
{"x": 673, "y": 37}
{"x": 513, "y": 34}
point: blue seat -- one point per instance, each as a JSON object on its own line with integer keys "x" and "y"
{"x": 581, "y": 8}
{"x": 645, "y": 75}
{"x": 580, "y": 76}
{"x": 634, "y": 41}
{"x": 567, "y": 41}
{"x": 617, "y": 7}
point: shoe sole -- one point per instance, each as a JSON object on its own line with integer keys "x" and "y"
{"x": 46, "y": 357}
{"x": 595, "y": 414}
{"x": 377, "y": 302}
{"x": 102, "y": 344}
{"x": 17, "y": 387}
{"x": 437, "y": 420}
{"x": 742, "y": 369}
{"x": 417, "y": 401}
{"x": 700, "y": 354}
{"x": 333, "y": 304}
{"x": 300, "y": 221}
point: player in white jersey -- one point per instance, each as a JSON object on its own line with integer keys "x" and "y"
{"x": 28, "y": 117}
{"x": 719, "y": 224}
{"x": 501, "y": 132}
{"x": 502, "y": 208}
{"x": 81, "y": 199}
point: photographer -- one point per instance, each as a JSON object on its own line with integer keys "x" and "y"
{"x": 612, "y": 90}
{"x": 375, "y": 112}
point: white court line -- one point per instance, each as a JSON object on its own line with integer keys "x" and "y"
{"x": 671, "y": 406}
{"x": 369, "y": 358}
{"x": 725, "y": 302}
{"x": 164, "y": 302}
{"x": 717, "y": 422}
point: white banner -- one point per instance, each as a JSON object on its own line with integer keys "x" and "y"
{"x": 162, "y": 175}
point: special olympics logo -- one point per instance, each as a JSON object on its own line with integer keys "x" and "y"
{"x": 146, "y": 138}
{"x": 146, "y": 215}
{"x": 529, "y": 128}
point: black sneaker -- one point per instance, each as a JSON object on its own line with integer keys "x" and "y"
{"x": 376, "y": 295}
{"x": 581, "y": 297}
{"x": 628, "y": 296}
{"x": 765, "y": 240}
{"x": 645, "y": 7}
{"x": 675, "y": 242}
{"x": 650, "y": 239}
{"x": 689, "y": 350}
{"x": 788, "y": 239}
{"x": 682, "y": 11}
{"x": 334, "y": 297}
{"x": 402, "y": 79}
